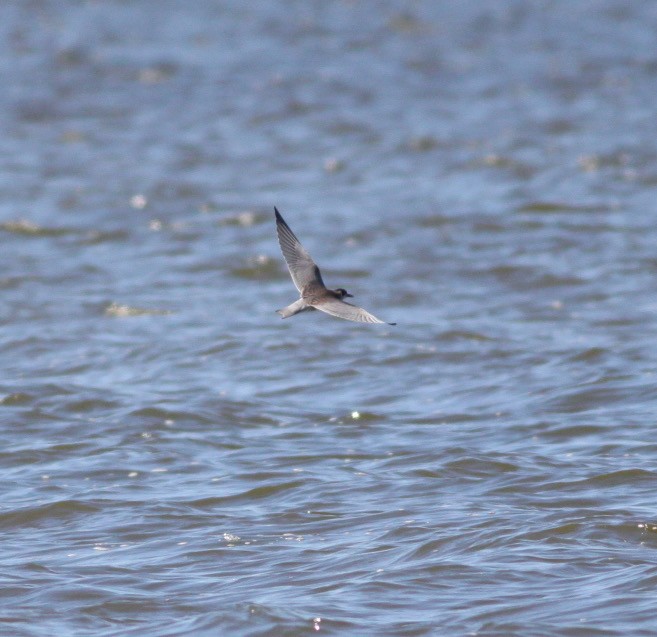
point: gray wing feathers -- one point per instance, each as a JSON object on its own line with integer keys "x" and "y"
{"x": 300, "y": 264}
{"x": 347, "y": 311}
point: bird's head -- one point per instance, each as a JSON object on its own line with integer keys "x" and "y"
{"x": 343, "y": 293}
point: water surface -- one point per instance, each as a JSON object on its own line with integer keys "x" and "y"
{"x": 179, "y": 461}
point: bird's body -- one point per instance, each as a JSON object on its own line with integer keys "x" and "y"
{"x": 308, "y": 280}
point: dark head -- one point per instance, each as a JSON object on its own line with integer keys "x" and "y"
{"x": 343, "y": 293}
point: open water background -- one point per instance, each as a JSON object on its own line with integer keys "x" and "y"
{"x": 176, "y": 460}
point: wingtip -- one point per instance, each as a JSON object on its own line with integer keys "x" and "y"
{"x": 392, "y": 323}
{"x": 278, "y": 214}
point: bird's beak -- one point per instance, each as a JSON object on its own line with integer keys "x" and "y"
{"x": 351, "y": 296}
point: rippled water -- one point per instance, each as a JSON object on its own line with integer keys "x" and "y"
{"x": 179, "y": 461}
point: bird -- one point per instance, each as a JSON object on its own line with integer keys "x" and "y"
{"x": 308, "y": 280}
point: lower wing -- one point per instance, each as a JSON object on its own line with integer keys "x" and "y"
{"x": 347, "y": 311}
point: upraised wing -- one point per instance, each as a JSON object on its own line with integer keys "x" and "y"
{"x": 302, "y": 268}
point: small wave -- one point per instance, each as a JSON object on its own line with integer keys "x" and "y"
{"x": 558, "y": 207}
{"x": 120, "y": 310}
{"x": 25, "y": 227}
{"x": 258, "y": 267}
{"x": 46, "y": 513}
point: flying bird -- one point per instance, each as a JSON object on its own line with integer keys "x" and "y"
{"x": 308, "y": 280}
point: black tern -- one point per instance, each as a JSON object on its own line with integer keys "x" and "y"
{"x": 308, "y": 280}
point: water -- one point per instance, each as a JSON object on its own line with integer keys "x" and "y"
{"x": 179, "y": 461}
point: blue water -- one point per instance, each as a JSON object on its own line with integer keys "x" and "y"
{"x": 178, "y": 460}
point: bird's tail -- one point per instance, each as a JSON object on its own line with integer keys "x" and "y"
{"x": 294, "y": 308}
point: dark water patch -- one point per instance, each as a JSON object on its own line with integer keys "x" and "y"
{"x": 29, "y": 228}
{"x": 158, "y": 416}
{"x": 120, "y": 310}
{"x": 259, "y": 267}
{"x": 489, "y": 226}
{"x": 520, "y": 169}
{"x": 219, "y": 348}
{"x": 613, "y": 479}
{"x": 422, "y": 143}
{"x": 46, "y": 514}
{"x": 624, "y": 477}
{"x": 572, "y": 431}
{"x": 249, "y": 495}
{"x": 591, "y": 354}
{"x": 342, "y": 373}
{"x": 457, "y": 335}
{"x": 100, "y": 237}
{"x": 618, "y": 321}
{"x": 14, "y": 282}
{"x": 41, "y": 451}
{"x": 91, "y": 405}
{"x": 245, "y": 218}
{"x": 529, "y": 277}
{"x": 592, "y": 398}
{"x": 479, "y": 467}
{"x": 554, "y": 534}
{"x": 442, "y": 418}
{"x": 553, "y": 207}
{"x": 435, "y": 221}
{"x": 348, "y": 273}
{"x": 365, "y": 417}
{"x": 17, "y": 398}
